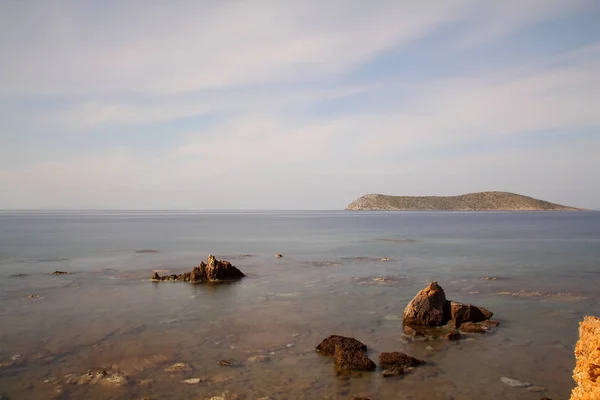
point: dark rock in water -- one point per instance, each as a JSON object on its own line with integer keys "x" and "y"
{"x": 225, "y": 363}
{"x": 221, "y": 270}
{"x": 395, "y": 371}
{"x": 348, "y": 357}
{"x": 327, "y": 346}
{"x": 427, "y": 308}
{"x": 146, "y": 251}
{"x": 214, "y": 271}
{"x": 359, "y": 398}
{"x": 491, "y": 322}
{"x": 472, "y": 327}
{"x": 61, "y": 273}
{"x": 398, "y": 360}
{"x": 454, "y": 335}
{"x": 467, "y": 313}
{"x": 278, "y": 255}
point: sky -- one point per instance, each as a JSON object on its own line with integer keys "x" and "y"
{"x": 298, "y": 104}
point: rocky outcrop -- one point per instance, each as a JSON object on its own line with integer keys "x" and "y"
{"x": 483, "y": 201}
{"x": 327, "y": 345}
{"x": 213, "y": 271}
{"x": 587, "y": 369}
{"x": 429, "y": 308}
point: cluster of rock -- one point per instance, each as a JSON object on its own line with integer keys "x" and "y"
{"x": 350, "y": 354}
{"x": 429, "y": 308}
{"x": 212, "y": 271}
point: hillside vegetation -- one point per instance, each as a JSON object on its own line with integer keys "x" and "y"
{"x": 483, "y": 201}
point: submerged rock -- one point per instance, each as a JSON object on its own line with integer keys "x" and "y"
{"x": 427, "y": 307}
{"x": 398, "y": 360}
{"x": 453, "y": 335}
{"x": 394, "y": 371}
{"x": 468, "y": 313}
{"x": 348, "y": 357}
{"x": 212, "y": 272}
{"x": 61, "y": 273}
{"x": 472, "y": 327}
{"x": 515, "y": 383}
{"x": 327, "y": 346}
{"x": 178, "y": 367}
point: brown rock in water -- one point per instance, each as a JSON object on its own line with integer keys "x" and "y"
{"x": 427, "y": 307}
{"x": 587, "y": 368}
{"x": 472, "y": 327}
{"x": 327, "y": 346}
{"x": 221, "y": 270}
{"x": 215, "y": 271}
{"x": 278, "y": 255}
{"x": 348, "y": 357}
{"x": 454, "y": 335}
{"x": 453, "y": 324}
{"x": 491, "y": 322}
{"x": 467, "y": 313}
{"x": 398, "y": 360}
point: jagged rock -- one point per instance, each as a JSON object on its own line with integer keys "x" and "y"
{"x": 472, "y": 327}
{"x": 587, "y": 368}
{"x": 427, "y": 307}
{"x": 398, "y": 360}
{"x": 327, "y": 346}
{"x": 348, "y": 357}
{"x": 213, "y": 271}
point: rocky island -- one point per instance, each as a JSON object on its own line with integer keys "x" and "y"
{"x": 483, "y": 201}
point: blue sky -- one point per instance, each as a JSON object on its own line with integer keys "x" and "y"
{"x": 296, "y": 104}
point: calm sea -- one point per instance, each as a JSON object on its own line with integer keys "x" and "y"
{"x": 108, "y": 316}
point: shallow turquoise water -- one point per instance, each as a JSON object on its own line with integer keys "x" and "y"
{"x": 107, "y": 315}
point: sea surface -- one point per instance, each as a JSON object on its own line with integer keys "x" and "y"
{"x": 107, "y": 318}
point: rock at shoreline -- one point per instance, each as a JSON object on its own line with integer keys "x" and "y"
{"x": 327, "y": 346}
{"x": 348, "y": 357}
{"x": 212, "y": 272}
{"x": 398, "y": 360}
{"x": 427, "y": 307}
{"x": 587, "y": 369}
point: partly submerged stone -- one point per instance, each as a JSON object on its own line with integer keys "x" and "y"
{"x": 327, "y": 345}
{"x": 453, "y": 335}
{"x": 398, "y": 360}
{"x": 427, "y": 307}
{"x": 212, "y": 271}
{"x": 348, "y": 357}
{"x": 468, "y": 313}
{"x": 472, "y": 327}
{"x": 61, "y": 273}
{"x": 391, "y": 372}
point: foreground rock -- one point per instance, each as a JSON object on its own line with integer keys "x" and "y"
{"x": 429, "y": 308}
{"x": 351, "y": 358}
{"x": 398, "y": 360}
{"x": 587, "y": 369}
{"x": 213, "y": 271}
{"x": 348, "y": 353}
{"x": 327, "y": 346}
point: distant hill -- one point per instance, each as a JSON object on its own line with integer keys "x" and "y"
{"x": 483, "y": 201}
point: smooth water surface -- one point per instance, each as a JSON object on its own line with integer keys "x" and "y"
{"x": 108, "y": 316}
